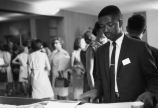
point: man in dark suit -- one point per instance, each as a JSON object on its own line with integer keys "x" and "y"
{"x": 125, "y": 69}
{"x": 136, "y": 28}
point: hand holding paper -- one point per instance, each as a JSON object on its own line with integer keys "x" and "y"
{"x": 90, "y": 94}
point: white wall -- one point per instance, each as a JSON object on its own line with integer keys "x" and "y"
{"x": 152, "y": 27}
{"x": 74, "y": 25}
{"x": 125, "y": 19}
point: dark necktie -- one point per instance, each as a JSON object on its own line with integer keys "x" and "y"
{"x": 113, "y": 55}
{"x": 112, "y": 73}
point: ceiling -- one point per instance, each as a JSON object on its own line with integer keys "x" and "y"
{"x": 12, "y": 8}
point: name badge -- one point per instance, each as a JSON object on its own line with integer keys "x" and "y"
{"x": 126, "y": 61}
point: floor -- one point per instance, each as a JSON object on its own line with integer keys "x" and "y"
{"x": 11, "y": 91}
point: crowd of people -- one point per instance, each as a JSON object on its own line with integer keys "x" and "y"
{"x": 118, "y": 66}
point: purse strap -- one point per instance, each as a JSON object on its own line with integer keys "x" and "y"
{"x": 60, "y": 74}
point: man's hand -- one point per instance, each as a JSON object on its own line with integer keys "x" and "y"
{"x": 92, "y": 94}
{"x": 147, "y": 99}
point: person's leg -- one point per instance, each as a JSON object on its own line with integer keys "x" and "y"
{"x": 24, "y": 88}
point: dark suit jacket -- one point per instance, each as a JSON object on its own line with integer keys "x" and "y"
{"x": 155, "y": 54}
{"x": 132, "y": 79}
{"x": 153, "y": 50}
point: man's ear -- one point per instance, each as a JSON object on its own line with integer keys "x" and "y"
{"x": 127, "y": 29}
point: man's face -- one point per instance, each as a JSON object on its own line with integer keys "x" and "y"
{"x": 82, "y": 44}
{"x": 57, "y": 44}
{"x": 110, "y": 27}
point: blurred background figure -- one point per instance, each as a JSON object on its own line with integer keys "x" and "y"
{"x": 78, "y": 69}
{"x": 90, "y": 53}
{"x": 7, "y": 61}
{"x": 21, "y": 59}
{"x": 5, "y": 69}
{"x": 89, "y": 38}
{"x": 136, "y": 26}
{"x": 38, "y": 65}
{"x": 46, "y": 49}
{"x": 60, "y": 62}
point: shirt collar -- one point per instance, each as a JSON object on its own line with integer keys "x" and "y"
{"x": 118, "y": 41}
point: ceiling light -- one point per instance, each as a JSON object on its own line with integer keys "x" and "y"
{"x": 49, "y": 7}
{"x": 3, "y": 18}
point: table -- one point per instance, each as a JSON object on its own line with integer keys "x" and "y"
{"x": 17, "y": 100}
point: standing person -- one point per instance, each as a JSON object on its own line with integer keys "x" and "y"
{"x": 60, "y": 62}
{"x": 100, "y": 40}
{"x": 136, "y": 28}
{"x": 21, "y": 59}
{"x": 131, "y": 64}
{"x": 38, "y": 65}
{"x": 77, "y": 69}
{"x": 89, "y": 38}
{"x": 46, "y": 49}
{"x": 5, "y": 59}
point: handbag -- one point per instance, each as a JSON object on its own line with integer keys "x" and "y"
{"x": 60, "y": 81}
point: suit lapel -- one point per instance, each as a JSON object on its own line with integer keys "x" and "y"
{"x": 123, "y": 52}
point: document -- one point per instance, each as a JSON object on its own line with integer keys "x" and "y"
{"x": 62, "y": 104}
{"x": 112, "y": 105}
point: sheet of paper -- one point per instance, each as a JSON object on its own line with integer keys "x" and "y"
{"x": 7, "y": 106}
{"x": 111, "y": 105}
{"x": 62, "y": 104}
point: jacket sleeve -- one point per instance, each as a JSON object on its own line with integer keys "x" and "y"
{"x": 97, "y": 76}
{"x": 149, "y": 69}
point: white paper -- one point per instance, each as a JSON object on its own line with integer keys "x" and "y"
{"x": 109, "y": 105}
{"x": 7, "y": 106}
{"x": 62, "y": 104}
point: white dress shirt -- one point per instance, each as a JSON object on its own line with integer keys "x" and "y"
{"x": 117, "y": 53}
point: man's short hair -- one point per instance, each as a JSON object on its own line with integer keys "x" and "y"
{"x": 36, "y": 44}
{"x": 136, "y": 23}
{"x": 111, "y": 10}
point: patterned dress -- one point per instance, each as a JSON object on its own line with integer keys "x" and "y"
{"x": 77, "y": 75}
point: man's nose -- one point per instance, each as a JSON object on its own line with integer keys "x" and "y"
{"x": 106, "y": 28}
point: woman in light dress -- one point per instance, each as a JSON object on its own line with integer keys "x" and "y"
{"x": 60, "y": 61}
{"x": 5, "y": 59}
{"x": 77, "y": 68}
{"x": 21, "y": 59}
{"x": 39, "y": 66}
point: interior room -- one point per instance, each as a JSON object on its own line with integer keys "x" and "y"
{"x": 27, "y": 20}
